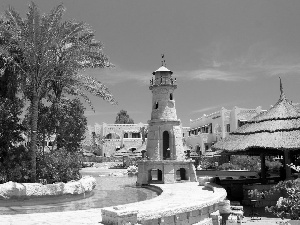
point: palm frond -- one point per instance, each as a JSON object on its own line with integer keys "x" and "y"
{"x": 76, "y": 91}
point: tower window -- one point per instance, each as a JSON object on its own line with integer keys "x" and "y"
{"x": 171, "y": 96}
{"x": 227, "y": 127}
{"x": 156, "y": 105}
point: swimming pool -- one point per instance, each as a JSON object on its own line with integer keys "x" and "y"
{"x": 109, "y": 191}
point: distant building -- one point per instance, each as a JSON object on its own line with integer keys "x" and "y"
{"x": 112, "y": 137}
{"x": 208, "y": 129}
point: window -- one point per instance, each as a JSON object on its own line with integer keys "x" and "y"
{"x": 171, "y": 96}
{"x": 109, "y": 136}
{"x": 126, "y": 135}
{"x": 136, "y": 135}
{"x": 241, "y": 122}
{"x": 156, "y": 105}
{"x": 228, "y": 128}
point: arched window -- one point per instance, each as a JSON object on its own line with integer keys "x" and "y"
{"x": 108, "y": 136}
{"x": 171, "y": 96}
{"x": 181, "y": 174}
{"x": 166, "y": 149}
{"x": 112, "y": 136}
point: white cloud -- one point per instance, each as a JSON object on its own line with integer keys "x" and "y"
{"x": 89, "y": 113}
{"x": 211, "y": 108}
{"x": 260, "y": 59}
{"x": 116, "y": 75}
{"x": 214, "y": 74}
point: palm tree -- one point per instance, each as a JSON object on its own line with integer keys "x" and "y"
{"x": 53, "y": 55}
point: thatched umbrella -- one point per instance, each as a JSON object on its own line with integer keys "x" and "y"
{"x": 273, "y": 132}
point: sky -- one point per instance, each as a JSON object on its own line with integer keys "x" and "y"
{"x": 224, "y": 53}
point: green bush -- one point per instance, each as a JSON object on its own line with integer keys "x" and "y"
{"x": 229, "y": 166}
{"x": 58, "y": 166}
{"x": 14, "y": 165}
{"x": 287, "y": 206}
{"x": 273, "y": 166}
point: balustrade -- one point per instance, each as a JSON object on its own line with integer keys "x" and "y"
{"x": 162, "y": 81}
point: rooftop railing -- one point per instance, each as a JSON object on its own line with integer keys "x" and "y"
{"x": 162, "y": 81}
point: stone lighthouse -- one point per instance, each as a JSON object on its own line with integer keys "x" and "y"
{"x": 165, "y": 158}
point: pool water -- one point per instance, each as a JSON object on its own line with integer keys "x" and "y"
{"x": 109, "y": 191}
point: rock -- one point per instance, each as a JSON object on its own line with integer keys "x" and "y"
{"x": 12, "y": 189}
{"x": 73, "y": 188}
{"x": 15, "y": 190}
{"x": 88, "y": 183}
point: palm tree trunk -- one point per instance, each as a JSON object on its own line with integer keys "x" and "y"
{"x": 33, "y": 143}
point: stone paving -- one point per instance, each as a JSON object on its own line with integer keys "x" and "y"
{"x": 88, "y": 217}
{"x": 93, "y": 216}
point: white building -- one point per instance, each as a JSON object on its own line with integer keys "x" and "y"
{"x": 112, "y": 137}
{"x": 208, "y": 129}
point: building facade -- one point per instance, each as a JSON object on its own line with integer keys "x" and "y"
{"x": 110, "y": 138}
{"x": 208, "y": 129}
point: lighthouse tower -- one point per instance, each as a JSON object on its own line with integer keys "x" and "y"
{"x": 165, "y": 158}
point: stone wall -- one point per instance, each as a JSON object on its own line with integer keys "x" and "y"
{"x": 12, "y": 190}
{"x": 170, "y": 208}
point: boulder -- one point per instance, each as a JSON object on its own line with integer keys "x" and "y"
{"x": 12, "y": 189}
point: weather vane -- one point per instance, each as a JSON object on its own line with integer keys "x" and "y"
{"x": 163, "y": 61}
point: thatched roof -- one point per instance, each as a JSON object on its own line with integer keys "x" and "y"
{"x": 272, "y": 131}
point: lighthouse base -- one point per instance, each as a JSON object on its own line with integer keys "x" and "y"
{"x": 165, "y": 171}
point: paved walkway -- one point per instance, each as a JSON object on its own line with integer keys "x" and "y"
{"x": 173, "y": 193}
{"x": 89, "y": 217}
{"x": 80, "y": 217}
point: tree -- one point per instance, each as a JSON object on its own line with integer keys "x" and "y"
{"x": 69, "y": 114}
{"x": 53, "y": 55}
{"x": 123, "y": 118}
{"x": 13, "y": 157}
{"x": 72, "y": 125}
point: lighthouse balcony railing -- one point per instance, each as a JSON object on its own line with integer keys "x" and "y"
{"x": 162, "y": 81}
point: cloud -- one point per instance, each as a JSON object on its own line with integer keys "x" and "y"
{"x": 220, "y": 62}
{"x": 210, "y": 108}
{"x": 117, "y": 75}
{"x": 259, "y": 59}
{"x": 283, "y": 70}
{"x": 90, "y": 113}
{"x": 214, "y": 74}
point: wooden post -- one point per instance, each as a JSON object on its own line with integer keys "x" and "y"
{"x": 263, "y": 168}
{"x": 287, "y": 160}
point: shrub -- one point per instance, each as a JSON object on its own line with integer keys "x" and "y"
{"x": 229, "y": 166}
{"x": 15, "y": 165}
{"x": 287, "y": 206}
{"x": 58, "y": 166}
{"x": 251, "y": 163}
{"x": 273, "y": 166}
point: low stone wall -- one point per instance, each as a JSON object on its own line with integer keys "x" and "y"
{"x": 180, "y": 204}
{"x": 12, "y": 190}
{"x": 226, "y": 173}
